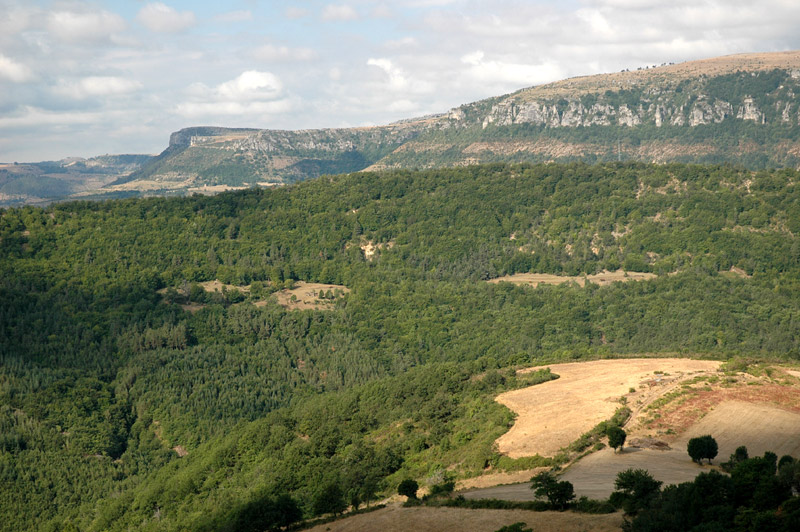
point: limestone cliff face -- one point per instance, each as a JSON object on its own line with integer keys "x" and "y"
{"x": 663, "y": 110}
{"x": 689, "y": 103}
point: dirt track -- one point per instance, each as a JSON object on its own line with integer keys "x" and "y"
{"x": 397, "y": 519}
{"x": 594, "y": 475}
{"x": 556, "y": 413}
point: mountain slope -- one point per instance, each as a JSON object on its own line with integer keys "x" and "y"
{"x": 40, "y": 183}
{"x": 132, "y": 399}
{"x": 741, "y": 109}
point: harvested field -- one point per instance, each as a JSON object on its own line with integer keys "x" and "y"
{"x": 422, "y": 519}
{"x": 689, "y": 407}
{"x": 758, "y": 426}
{"x": 306, "y": 296}
{"x": 759, "y": 412}
{"x": 554, "y": 414}
{"x": 602, "y": 278}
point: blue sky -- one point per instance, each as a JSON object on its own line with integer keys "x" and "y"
{"x": 84, "y": 78}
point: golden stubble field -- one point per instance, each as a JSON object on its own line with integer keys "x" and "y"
{"x": 674, "y": 400}
{"x": 554, "y": 414}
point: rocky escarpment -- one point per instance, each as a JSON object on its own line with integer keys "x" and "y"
{"x": 739, "y": 109}
{"x": 771, "y": 95}
{"x": 661, "y": 111}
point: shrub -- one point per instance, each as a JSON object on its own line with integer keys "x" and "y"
{"x": 409, "y": 488}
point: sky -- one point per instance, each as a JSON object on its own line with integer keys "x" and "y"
{"x": 85, "y": 78}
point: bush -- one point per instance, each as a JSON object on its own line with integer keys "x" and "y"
{"x": 409, "y": 488}
{"x": 444, "y": 488}
{"x": 593, "y": 506}
{"x": 516, "y": 527}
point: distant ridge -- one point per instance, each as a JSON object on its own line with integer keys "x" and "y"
{"x": 739, "y": 109}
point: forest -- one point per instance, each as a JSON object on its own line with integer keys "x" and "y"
{"x": 132, "y": 399}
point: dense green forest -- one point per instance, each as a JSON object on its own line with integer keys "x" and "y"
{"x": 106, "y": 380}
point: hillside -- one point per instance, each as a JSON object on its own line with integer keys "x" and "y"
{"x": 41, "y": 183}
{"x": 740, "y": 109}
{"x": 156, "y": 374}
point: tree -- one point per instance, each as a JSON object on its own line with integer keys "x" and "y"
{"x": 616, "y": 437}
{"x": 558, "y": 494}
{"x": 635, "y": 488}
{"x": 409, "y": 488}
{"x": 329, "y": 500}
{"x": 702, "y": 447}
{"x": 265, "y": 512}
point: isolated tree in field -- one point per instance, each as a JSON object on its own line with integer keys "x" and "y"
{"x": 558, "y": 493}
{"x": 702, "y": 447}
{"x": 409, "y": 488}
{"x": 616, "y": 437}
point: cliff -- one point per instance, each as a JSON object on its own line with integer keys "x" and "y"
{"x": 741, "y": 109}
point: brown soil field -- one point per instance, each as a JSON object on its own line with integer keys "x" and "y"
{"x": 422, "y": 519}
{"x": 602, "y": 278}
{"x": 306, "y": 296}
{"x": 554, "y": 414}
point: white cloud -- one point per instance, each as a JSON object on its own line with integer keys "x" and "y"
{"x": 242, "y": 15}
{"x": 271, "y": 52}
{"x": 15, "y": 19}
{"x": 30, "y": 116}
{"x": 97, "y": 86}
{"x": 382, "y": 11}
{"x": 339, "y": 12}
{"x": 71, "y": 26}
{"x": 398, "y": 79}
{"x": 295, "y": 12}
{"x": 161, "y": 18}
{"x": 14, "y": 71}
{"x": 251, "y": 93}
{"x": 404, "y": 42}
{"x": 500, "y": 72}
{"x": 243, "y": 110}
{"x": 251, "y": 85}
